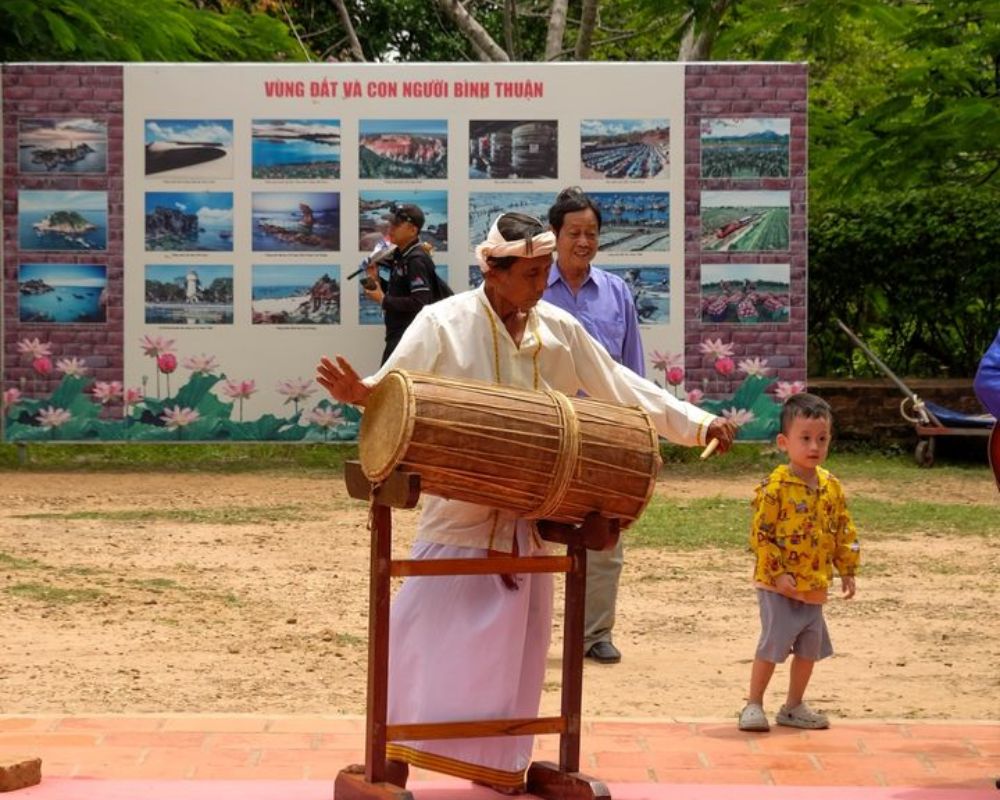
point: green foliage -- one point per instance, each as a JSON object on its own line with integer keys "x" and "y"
{"x": 916, "y": 274}
{"x": 139, "y": 30}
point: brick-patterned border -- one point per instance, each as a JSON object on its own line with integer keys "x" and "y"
{"x": 61, "y": 91}
{"x": 745, "y": 90}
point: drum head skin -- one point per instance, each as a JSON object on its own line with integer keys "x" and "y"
{"x": 386, "y": 426}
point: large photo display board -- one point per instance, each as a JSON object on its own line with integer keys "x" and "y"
{"x": 179, "y": 240}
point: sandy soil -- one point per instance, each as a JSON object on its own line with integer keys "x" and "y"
{"x": 248, "y": 593}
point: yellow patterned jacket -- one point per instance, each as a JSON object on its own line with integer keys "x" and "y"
{"x": 803, "y": 532}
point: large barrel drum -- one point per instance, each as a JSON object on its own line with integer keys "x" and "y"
{"x": 499, "y": 154}
{"x": 538, "y": 454}
{"x": 534, "y": 150}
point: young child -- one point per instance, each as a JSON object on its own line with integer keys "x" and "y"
{"x": 801, "y": 530}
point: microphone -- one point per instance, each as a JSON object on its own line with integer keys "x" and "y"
{"x": 383, "y": 250}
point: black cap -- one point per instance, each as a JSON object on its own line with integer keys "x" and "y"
{"x": 406, "y": 212}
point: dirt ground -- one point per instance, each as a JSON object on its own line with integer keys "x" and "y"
{"x": 247, "y": 593}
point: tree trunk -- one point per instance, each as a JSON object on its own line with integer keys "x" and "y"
{"x": 588, "y": 21}
{"x": 510, "y": 29}
{"x": 472, "y": 30}
{"x": 699, "y": 34}
{"x": 352, "y": 36}
{"x": 557, "y": 29}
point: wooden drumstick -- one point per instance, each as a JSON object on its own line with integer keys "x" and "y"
{"x": 709, "y": 449}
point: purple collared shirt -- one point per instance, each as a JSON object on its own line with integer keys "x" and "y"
{"x": 605, "y": 308}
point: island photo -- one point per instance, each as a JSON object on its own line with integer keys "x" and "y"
{"x": 296, "y": 221}
{"x": 61, "y": 145}
{"x": 287, "y": 149}
{"x": 189, "y": 221}
{"x": 51, "y": 220}
{"x": 189, "y": 148}
{"x": 62, "y": 293}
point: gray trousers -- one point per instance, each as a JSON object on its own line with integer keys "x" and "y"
{"x": 604, "y": 568}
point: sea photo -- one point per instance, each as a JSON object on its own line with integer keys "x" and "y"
{"x": 743, "y": 221}
{"x": 650, "y": 286}
{"x": 508, "y": 148}
{"x": 192, "y": 294}
{"x": 296, "y": 221}
{"x": 485, "y": 207}
{"x": 745, "y": 293}
{"x": 296, "y": 294}
{"x": 374, "y": 206}
{"x": 62, "y": 220}
{"x": 369, "y": 312}
{"x": 403, "y": 148}
{"x": 633, "y": 221}
{"x": 189, "y": 148}
{"x": 745, "y": 148}
{"x": 625, "y": 148}
{"x": 63, "y": 293}
{"x": 296, "y": 148}
{"x": 189, "y": 221}
{"x": 62, "y": 145}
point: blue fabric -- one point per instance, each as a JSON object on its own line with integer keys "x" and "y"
{"x": 987, "y": 384}
{"x": 956, "y": 419}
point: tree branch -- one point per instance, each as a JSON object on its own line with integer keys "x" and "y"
{"x": 295, "y": 31}
{"x": 556, "y": 30}
{"x": 472, "y": 30}
{"x": 352, "y": 37}
{"x": 510, "y": 28}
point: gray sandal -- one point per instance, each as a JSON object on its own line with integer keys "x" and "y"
{"x": 802, "y": 717}
{"x": 753, "y": 718}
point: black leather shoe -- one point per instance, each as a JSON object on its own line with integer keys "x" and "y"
{"x": 604, "y": 653}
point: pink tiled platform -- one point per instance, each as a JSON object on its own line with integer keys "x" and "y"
{"x": 169, "y": 757}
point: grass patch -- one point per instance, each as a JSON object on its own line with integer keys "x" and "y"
{"x": 53, "y": 595}
{"x": 229, "y": 515}
{"x": 7, "y": 561}
{"x": 928, "y": 519}
{"x": 157, "y": 584}
{"x": 348, "y": 640}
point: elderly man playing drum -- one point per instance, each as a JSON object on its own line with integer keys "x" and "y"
{"x": 474, "y": 646}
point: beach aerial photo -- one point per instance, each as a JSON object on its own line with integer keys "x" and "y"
{"x": 374, "y": 205}
{"x": 403, "y": 148}
{"x": 62, "y": 220}
{"x": 513, "y": 148}
{"x": 634, "y": 221}
{"x": 58, "y": 145}
{"x": 74, "y": 293}
{"x": 296, "y": 148}
{"x": 745, "y": 148}
{"x": 485, "y": 207}
{"x": 296, "y": 294}
{"x": 745, "y": 293}
{"x": 743, "y": 221}
{"x": 625, "y": 148}
{"x": 193, "y": 294}
{"x": 296, "y": 221}
{"x": 189, "y": 148}
{"x": 650, "y": 290}
{"x": 189, "y": 221}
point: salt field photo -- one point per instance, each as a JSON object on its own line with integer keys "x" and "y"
{"x": 296, "y": 221}
{"x": 296, "y": 294}
{"x": 625, "y": 148}
{"x": 189, "y": 221}
{"x": 633, "y": 221}
{"x": 192, "y": 294}
{"x": 62, "y": 293}
{"x": 62, "y": 220}
{"x": 58, "y": 146}
{"x": 403, "y": 148}
{"x": 189, "y": 148}
{"x": 296, "y": 148}
{"x": 485, "y": 207}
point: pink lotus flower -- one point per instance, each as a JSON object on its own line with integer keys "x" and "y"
{"x": 784, "y": 389}
{"x": 202, "y": 364}
{"x": 715, "y": 348}
{"x": 739, "y": 416}
{"x": 106, "y": 393}
{"x": 675, "y": 376}
{"x": 325, "y": 418}
{"x": 133, "y": 395}
{"x": 72, "y": 366}
{"x": 695, "y": 396}
{"x": 51, "y": 417}
{"x": 296, "y": 390}
{"x": 11, "y": 397}
{"x": 42, "y": 365}
{"x": 154, "y": 346}
{"x": 755, "y": 366}
{"x": 724, "y": 366}
{"x": 34, "y": 348}
{"x": 166, "y": 363}
{"x": 238, "y": 390}
{"x": 177, "y": 417}
{"x": 666, "y": 361}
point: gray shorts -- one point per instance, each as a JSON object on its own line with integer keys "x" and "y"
{"x": 791, "y": 626}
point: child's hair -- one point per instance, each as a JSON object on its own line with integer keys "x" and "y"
{"x": 804, "y": 405}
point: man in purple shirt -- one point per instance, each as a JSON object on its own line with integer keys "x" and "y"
{"x": 603, "y": 304}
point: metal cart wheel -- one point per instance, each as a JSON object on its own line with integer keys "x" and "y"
{"x": 924, "y": 454}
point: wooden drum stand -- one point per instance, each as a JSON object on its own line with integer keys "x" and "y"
{"x": 545, "y": 779}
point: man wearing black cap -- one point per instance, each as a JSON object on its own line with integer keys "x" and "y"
{"x": 412, "y": 280}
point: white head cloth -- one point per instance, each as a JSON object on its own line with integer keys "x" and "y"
{"x": 498, "y": 247}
